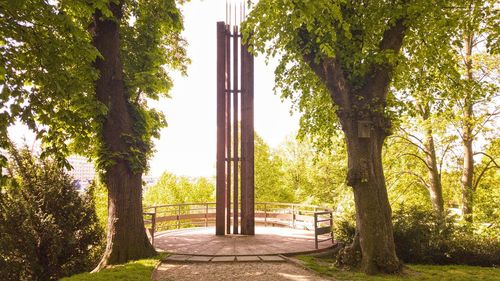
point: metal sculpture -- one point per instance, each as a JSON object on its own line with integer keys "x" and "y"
{"x": 239, "y": 65}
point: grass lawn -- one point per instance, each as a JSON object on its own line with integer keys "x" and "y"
{"x": 140, "y": 270}
{"x": 412, "y": 272}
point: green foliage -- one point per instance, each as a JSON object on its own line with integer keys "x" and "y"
{"x": 48, "y": 229}
{"x": 100, "y": 194}
{"x": 172, "y": 189}
{"x": 269, "y": 175}
{"x": 315, "y": 177}
{"x": 411, "y": 272}
{"x": 46, "y": 57}
{"x": 487, "y": 194}
{"x": 449, "y": 243}
{"x": 151, "y": 45}
{"x": 348, "y": 32}
{"x": 421, "y": 238}
{"x": 140, "y": 270}
{"x": 47, "y": 73}
{"x": 405, "y": 172}
{"x": 344, "y": 227}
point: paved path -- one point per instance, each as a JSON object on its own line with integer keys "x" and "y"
{"x": 232, "y": 271}
{"x": 267, "y": 241}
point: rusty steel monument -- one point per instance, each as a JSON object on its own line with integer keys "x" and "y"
{"x": 235, "y": 188}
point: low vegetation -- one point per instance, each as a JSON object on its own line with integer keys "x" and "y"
{"x": 140, "y": 270}
{"x": 411, "y": 272}
{"x": 423, "y": 239}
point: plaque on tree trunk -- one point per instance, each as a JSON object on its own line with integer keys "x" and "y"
{"x": 364, "y": 129}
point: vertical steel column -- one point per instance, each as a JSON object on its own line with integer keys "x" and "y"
{"x": 247, "y": 144}
{"x": 235, "y": 129}
{"x": 221, "y": 104}
{"x": 228, "y": 128}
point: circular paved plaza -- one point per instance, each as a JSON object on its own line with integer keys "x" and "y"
{"x": 267, "y": 241}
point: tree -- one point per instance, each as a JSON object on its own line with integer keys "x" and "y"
{"x": 269, "y": 175}
{"x": 79, "y": 74}
{"x": 418, "y": 141}
{"x": 445, "y": 75}
{"x": 480, "y": 86}
{"x": 48, "y": 229}
{"x": 341, "y": 56}
{"x": 421, "y": 85}
{"x": 405, "y": 175}
{"x": 172, "y": 189}
{"x": 46, "y": 73}
{"x": 486, "y": 186}
{"x": 316, "y": 177}
{"x": 128, "y": 126}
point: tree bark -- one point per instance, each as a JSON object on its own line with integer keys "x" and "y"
{"x": 434, "y": 187}
{"x": 373, "y": 211}
{"x": 467, "y": 138}
{"x": 126, "y": 236}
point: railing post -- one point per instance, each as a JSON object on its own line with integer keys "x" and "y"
{"x": 206, "y": 214}
{"x": 331, "y": 224}
{"x": 315, "y": 230}
{"x": 153, "y": 227}
{"x": 265, "y": 214}
{"x": 178, "y": 216}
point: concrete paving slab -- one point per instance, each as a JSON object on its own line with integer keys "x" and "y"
{"x": 271, "y": 258}
{"x": 178, "y": 257}
{"x": 247, "y": 258}
{"x": 200, "y": 258}
{"x": 223, "y": 259}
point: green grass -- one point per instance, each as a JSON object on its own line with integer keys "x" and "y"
{"x": 139, "y": 270}
{"x": 411, "y": 273}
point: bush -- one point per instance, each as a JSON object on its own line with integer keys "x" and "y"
{"x": 48, "y": 229}
{"x": 344, "y": 227}
{"x": 421, "y": 238}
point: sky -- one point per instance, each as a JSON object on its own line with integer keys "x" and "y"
{"x": 188, "y": 145}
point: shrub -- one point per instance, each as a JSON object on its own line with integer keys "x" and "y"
{"x": 420, "y": 237}
{"x": 344, "y": 227}
{"x": 48, "y": 229}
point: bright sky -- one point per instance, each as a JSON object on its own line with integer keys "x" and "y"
{"x": 187, "y": 145}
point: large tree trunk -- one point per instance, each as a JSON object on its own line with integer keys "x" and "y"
{"x": 373, "y": 211}
{"x": 126, "y": 236}
{"x": 467, "y": 137}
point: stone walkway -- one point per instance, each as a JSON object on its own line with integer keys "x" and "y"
{"x": 232, "y": 271}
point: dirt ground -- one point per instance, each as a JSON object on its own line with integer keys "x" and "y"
{"x": 259, "y": 271}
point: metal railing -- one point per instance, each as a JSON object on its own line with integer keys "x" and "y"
{"x": 176, "y": 216}
{"x": 323, "y": 223}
